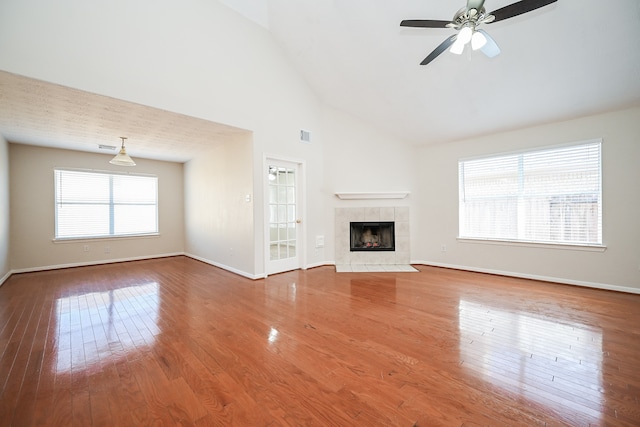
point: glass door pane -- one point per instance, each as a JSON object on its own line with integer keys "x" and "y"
{"x": 282, "y": 213}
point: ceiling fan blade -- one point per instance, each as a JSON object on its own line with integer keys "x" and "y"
{"x": 490, "y": 48}
{"x": 519, "y": 8}
{"x": 424, "y": 23}
{"x": 441, "y": 48}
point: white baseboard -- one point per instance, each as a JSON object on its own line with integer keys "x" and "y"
{"x": 6, "y": 276}
{"x": 320, "y": 264}
{"x": 88, "y": 263}
{"x": 226, "y": 267}
{"x": 604, "y": 286}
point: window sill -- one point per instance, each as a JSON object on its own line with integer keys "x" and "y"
{"x": 105, "y": 238}
{"x": 562, "y": 246}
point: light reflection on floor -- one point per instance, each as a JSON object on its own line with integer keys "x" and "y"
{"x": 524, "y": 354}
{"x": 96, "y": 326}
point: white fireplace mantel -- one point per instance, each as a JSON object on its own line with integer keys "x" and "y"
{"x": 372, "y": 195}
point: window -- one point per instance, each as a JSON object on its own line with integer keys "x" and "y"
{"x": 546, "y": 196}
{"x": 92, "y": 204}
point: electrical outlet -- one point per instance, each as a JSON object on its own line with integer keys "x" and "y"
{"x": 443, "y": 248}
{"x": 85, "y": 248}
{"x": 107, "y": 250}
{"x": 319, "y": 241}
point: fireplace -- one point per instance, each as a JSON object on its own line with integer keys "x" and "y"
{"x": 372, "y": 236}
{"x": 401, "y": 242}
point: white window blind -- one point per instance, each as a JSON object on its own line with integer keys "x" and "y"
{"x": 92, "y": 204}
{"x": 546, "y": 196}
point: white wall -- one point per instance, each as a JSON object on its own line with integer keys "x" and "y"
{"x": 361, "y": 159}
{"x": 618, "y": 267}
{"x": 5, "y": 265}
{"x": 218, "y": 218}
{"x": 32, "y": 211}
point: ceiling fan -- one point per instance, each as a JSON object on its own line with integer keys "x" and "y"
{"x": 467, "y": 20}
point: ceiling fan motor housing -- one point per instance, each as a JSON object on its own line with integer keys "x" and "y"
{"x": 470, "y": 17}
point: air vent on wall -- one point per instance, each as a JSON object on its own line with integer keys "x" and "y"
{"x": 106, "y": 147}
{"x": 305, "y": 136}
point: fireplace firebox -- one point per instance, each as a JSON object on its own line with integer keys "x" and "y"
{"x": 372, "y": 236}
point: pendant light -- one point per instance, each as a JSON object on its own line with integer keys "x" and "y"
{"x": 122, "y": 158}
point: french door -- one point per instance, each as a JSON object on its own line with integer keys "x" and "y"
{"x": 283, "y": 216}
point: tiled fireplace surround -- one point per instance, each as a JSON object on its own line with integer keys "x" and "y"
{"x": 344, "y": 216}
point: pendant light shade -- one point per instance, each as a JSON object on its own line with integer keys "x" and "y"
{"x": 122, "y": 158}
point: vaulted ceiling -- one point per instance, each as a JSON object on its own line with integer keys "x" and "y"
{"x": 569, "y": 59}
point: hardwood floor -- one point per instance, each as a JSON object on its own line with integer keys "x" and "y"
{"x": 178, "y": 342}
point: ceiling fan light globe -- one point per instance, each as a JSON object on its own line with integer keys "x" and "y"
{"x": 478, "y": 40}
{"x": 457, "y": 47}
{"x": 465, "y": 35}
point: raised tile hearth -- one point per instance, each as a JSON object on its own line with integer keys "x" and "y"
{"x": 375, "y": 268}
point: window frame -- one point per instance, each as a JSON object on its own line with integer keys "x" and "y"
{"x": 584, "y": 246}
{"x": 111, "y": 209}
